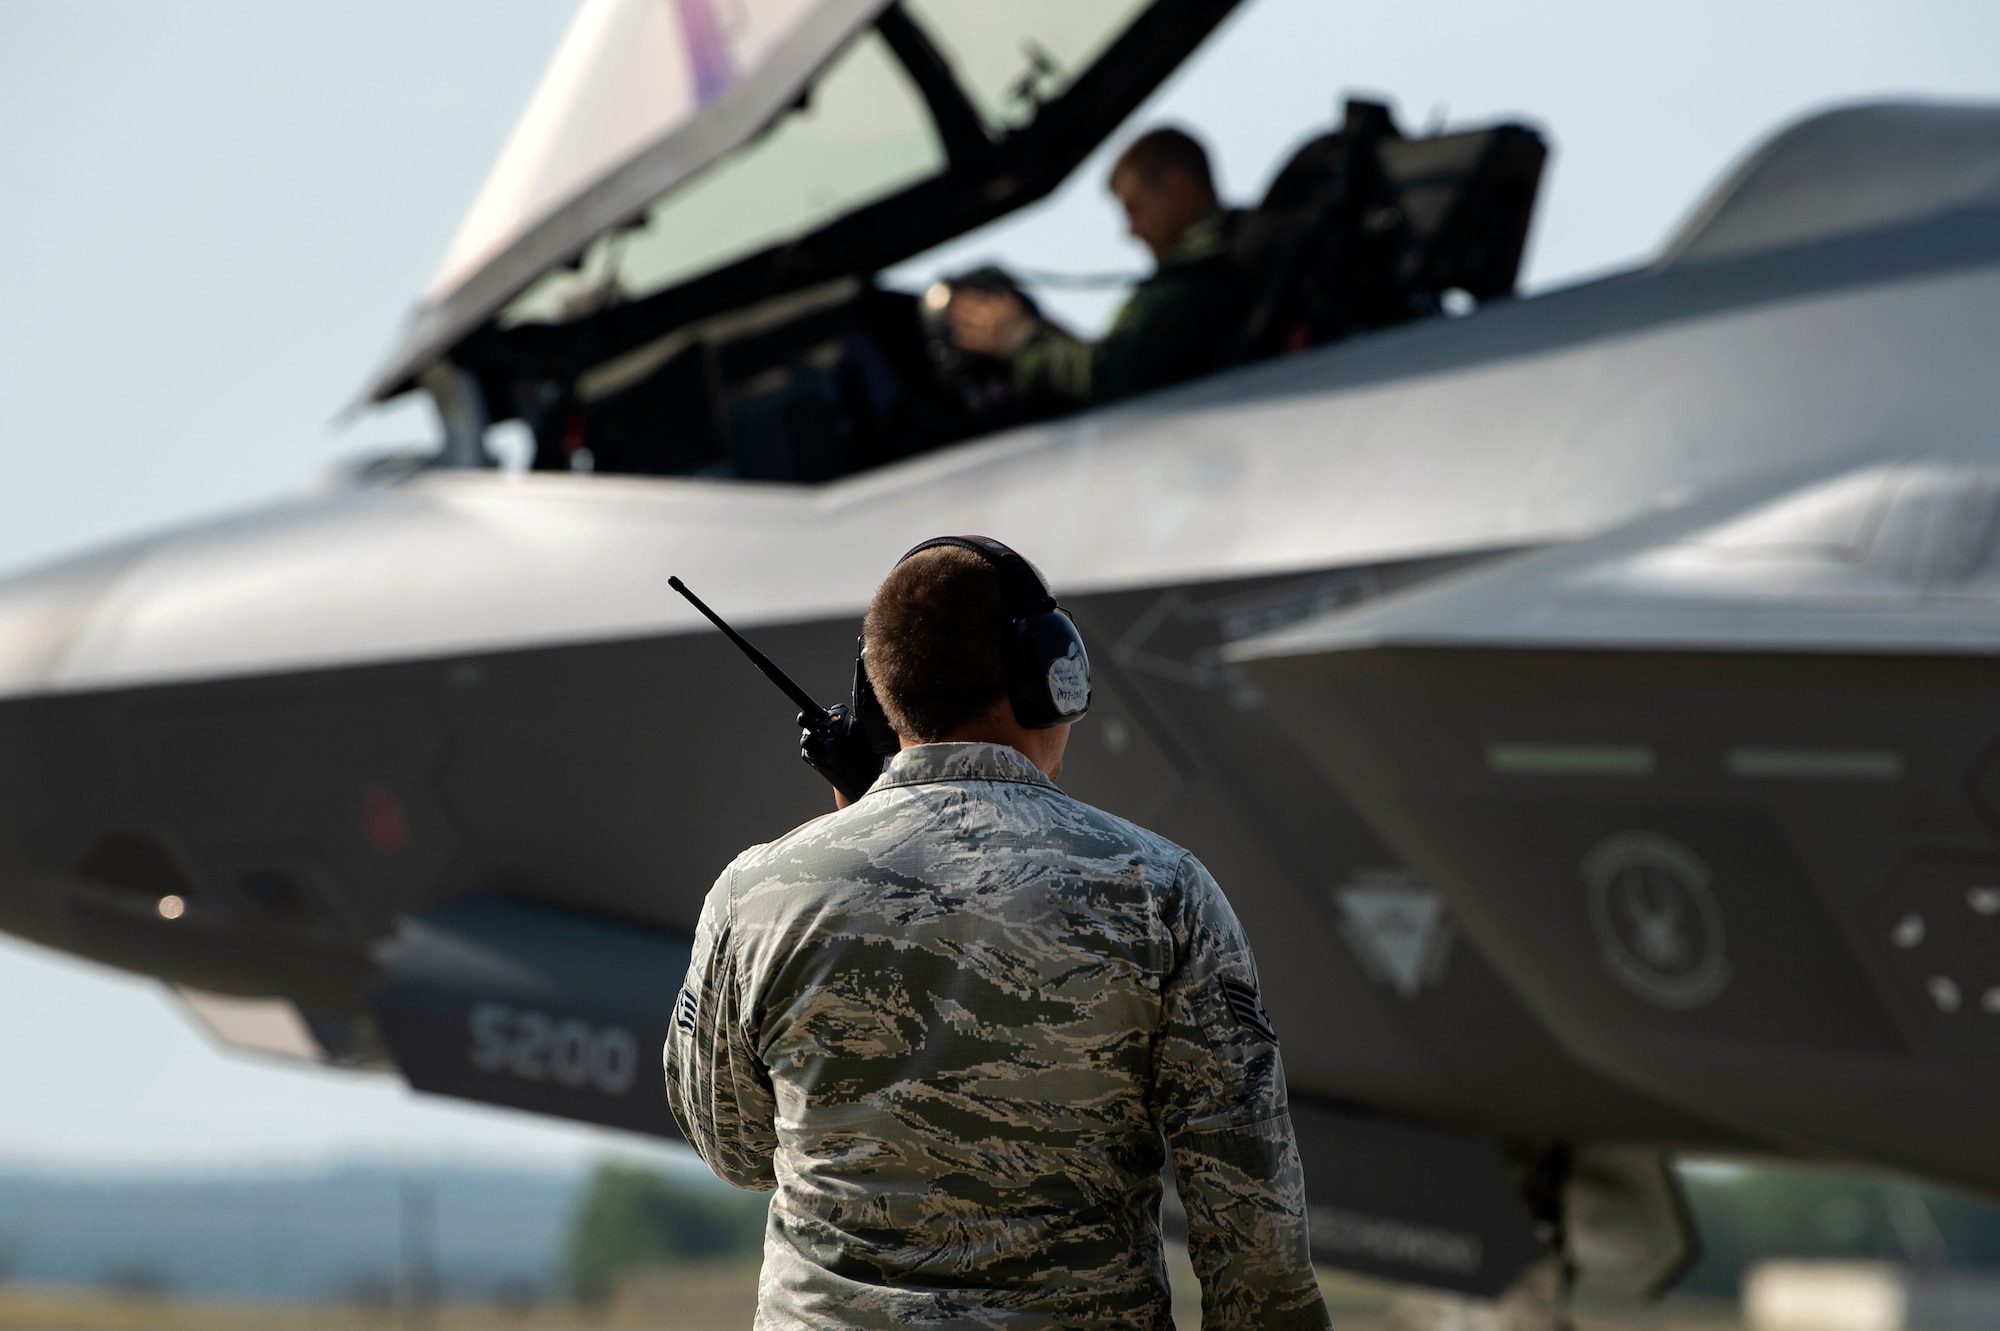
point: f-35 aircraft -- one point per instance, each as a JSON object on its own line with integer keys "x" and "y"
{"x": 1588, "y": 701}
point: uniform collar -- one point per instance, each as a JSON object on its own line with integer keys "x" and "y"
{"x": 927, "y": 763}
{"x": 1202, "y": 240}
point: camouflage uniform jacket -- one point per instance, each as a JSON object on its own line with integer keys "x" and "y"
{"x": 1181, "y": 322}
{"x": 958, "y": 1026}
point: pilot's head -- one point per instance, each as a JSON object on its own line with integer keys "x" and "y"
{"x": 934, "y": 635}
{"x": 1164, "y": 182}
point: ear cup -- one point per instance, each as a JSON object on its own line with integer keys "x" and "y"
{"x": 1048, "y": 670}
{"x": 865, "y": 709}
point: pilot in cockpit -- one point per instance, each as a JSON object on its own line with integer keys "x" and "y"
{"x": 1178, "y": 324}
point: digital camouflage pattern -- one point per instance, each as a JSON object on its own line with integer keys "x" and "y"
{"x": 958, "y": 1027}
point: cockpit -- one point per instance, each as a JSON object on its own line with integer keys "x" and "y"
{"x": 676, "y": 267}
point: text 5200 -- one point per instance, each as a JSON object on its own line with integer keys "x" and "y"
{"x": 537, "y": 1047}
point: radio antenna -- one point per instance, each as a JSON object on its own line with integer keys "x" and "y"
{"x": 813, "y": 715}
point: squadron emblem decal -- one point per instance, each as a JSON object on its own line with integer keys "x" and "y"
{"x": 1658, "y": 925}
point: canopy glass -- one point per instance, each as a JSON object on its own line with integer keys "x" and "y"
{"x": 1012, "y": 57}
{"x": 861, "y": 133}
{"x": 683, "y": 158}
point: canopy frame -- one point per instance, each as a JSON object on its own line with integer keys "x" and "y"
{"x": 984, "y": 179}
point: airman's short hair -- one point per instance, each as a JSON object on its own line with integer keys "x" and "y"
{"x": 1158, "y": 151}
{"x": 933, "y": 635}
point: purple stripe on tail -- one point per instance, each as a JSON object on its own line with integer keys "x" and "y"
{"x": 707, "y": 49}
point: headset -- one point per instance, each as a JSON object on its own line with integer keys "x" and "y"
{"x": 1041, "y": 652}
{"x": 1042, "y": 658}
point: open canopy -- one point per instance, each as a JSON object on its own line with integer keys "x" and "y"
{"x": 684, "y": 157}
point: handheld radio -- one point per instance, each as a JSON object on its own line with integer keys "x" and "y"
{"x": 840, "y": 742}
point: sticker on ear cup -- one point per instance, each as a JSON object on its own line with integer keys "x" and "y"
{"x": 1069, "y": 682}
{"x": 1248, "y": 1007}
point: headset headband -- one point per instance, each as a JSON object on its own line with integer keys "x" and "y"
{"x": 1041, "y": 652}
{"x": 1024, "y": 587}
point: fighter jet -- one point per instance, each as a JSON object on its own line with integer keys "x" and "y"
{"x": 1583, "y": 698}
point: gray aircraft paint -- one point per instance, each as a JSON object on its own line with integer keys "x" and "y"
{"x": 1529, "y": 423}
{"x": 1237, "y": 544}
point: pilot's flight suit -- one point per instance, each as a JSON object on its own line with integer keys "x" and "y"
{"x": 1182, "y": 322}
{"x": 950, "y": 1025}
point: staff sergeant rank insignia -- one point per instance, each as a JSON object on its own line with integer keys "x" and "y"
{"x": 1248, "y": 1007}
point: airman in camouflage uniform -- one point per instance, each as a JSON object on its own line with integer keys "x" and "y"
{"x": 959, "y": 1026}
{"x": 1182, "y": 322}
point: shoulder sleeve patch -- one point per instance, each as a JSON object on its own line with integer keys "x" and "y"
{"x": 1247, "y": 1007}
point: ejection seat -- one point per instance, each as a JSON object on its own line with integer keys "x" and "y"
{"x": 1364, "y": 228}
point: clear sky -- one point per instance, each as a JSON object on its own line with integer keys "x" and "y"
{"x": 217, "y": 215}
